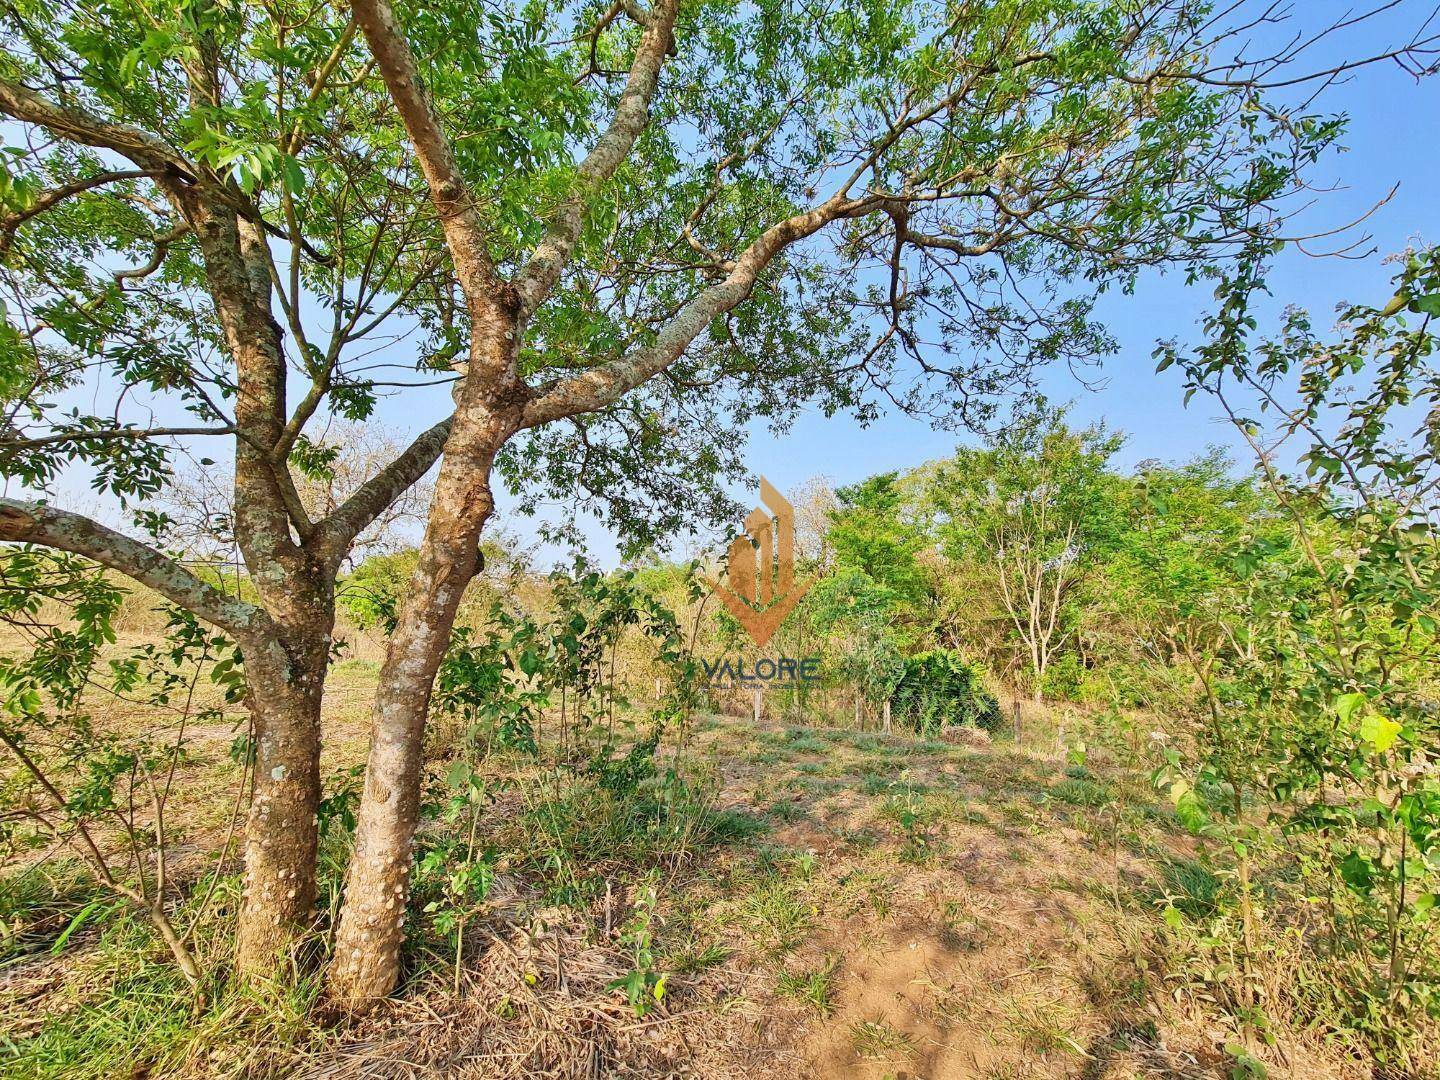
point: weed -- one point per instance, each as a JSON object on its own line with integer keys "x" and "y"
{"x": 916, "y": 817}
{"x": 785, "y": 811}
{"x": 777, "y": 918}
{"x": 1193, "y": 888}
{"x": 696, "y": 957}
{"x": 1078, "y": 791}
{"x": 1041, "y": 1027}
{"x": 126, "y": 1010}
{"x": 643, "y": 984}
{"x": 878, "y": 1041}
{"x": 815, "y": 987}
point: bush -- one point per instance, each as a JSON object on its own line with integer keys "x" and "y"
{"x": 1064, "y": 678}
{"x": 940, "y": 687}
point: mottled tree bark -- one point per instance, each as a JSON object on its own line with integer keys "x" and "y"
{"x": 367, "y": 944}
{"x": 285, "y": 680}
{"x": 285, "y": 635}
{"x": 492, "y": 404}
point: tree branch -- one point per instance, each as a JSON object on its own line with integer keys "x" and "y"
{"x": 12, "y": 443}
{"x": 12, "y": 221}
{"x": 597, "y": 387}
{"x": 34, "y": 523}
{"x": 464, "y": 234}
{"x": 162, "y": 248}
{"x": 147, "y": 151}
{"x": 335, "y": 533}
{"x": 632, "y": 113}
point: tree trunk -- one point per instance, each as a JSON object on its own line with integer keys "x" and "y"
{"x": 285, "y": 688}
{"x": 366, "y": 966}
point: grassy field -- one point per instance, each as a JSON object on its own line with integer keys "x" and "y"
{"x": 802, "y": 900}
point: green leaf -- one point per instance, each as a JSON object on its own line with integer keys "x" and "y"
{"x": 1357, "y": 871}
{"x": 1189, "y": 810}
{"x": 458, "y": 775}
{"x": 1427, "y": 305}
{"x": 1347, "y": 704}
{"x": 81, "y": 918}
{"x": 1379, "y": 731}
{"x": 294, "y": 176}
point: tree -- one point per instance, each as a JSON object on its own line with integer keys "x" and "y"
{"x": 855, "y": 616}
{"x": 1039, "y": 506}
{"x": 874, "y": 530}
{"x": 1172, "y": 584}
{"x": 600, "y": 224}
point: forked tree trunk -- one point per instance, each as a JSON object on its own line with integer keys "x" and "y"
{"x": 285, "y": 690}
{"x": 366, "y": 966}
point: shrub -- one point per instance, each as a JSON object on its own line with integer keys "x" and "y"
{"x": 940, "y": 687}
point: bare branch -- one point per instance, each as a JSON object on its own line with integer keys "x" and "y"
{"x": 376, "y": 494}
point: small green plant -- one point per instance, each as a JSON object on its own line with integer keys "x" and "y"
{"x": 814, "y": 987}
{"x": 776, "y": 915}
{"x": 644, "y": 985}
{"x": 909, "y": 809}
{"x": 879, "y": 1041}
{"x": 464, "y": 874}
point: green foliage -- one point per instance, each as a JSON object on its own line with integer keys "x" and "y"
{"x": 1039, "y": 508}
{"x": 940, "y": 688}
{"x": 814, "y": 987}
{"x": 875, "y": 533}
{"x": 643, "y": 984}
{"x": 125, "y": 1008}
{"x": 302, "y": 137}
{"x": 371, "y": 595}
{"x": 69, "y": 779}
{"x": 855, "y": 616}
{"x": 1316, "y": 694}
{"x": 490, "y": 681}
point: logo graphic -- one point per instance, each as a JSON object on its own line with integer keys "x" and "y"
{"x": 759, "y": 587}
